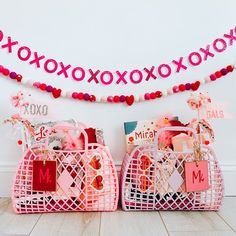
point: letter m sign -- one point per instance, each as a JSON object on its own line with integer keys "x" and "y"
{"x": 196, "y": 176}
{"x": 44, "y": 175}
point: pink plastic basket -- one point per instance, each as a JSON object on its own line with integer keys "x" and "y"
{"x": 161, "y": 185}
{"x": 75, "y": 175}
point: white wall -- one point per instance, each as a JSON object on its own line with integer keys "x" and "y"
{"x": 114, "y": 35}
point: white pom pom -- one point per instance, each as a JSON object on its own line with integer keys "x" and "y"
{"x": 164, "y": 93}
{"x": 202, "y": 81}
{"x": 30, "y": 82}
{"x": 63, "y": 93}
{"x": 68, "y": 94}
{"x": 207, "y": 79}
{"x": 141, "y": 98}
{"x": 103, "y": 99}
{"x": 24, "y": 80}
{"x": 136, "y": 98}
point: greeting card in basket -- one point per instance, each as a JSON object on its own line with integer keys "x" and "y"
{"x": 41, "y": 130}
{"x": 143, "y": 132}
{"x": 139, "y": 133}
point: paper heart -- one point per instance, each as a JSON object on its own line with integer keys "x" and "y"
{"x": 95, "y": 162}
{"x": 56, "y": 93}
{"x": 145, "y": 162}
{"x": 97, "y": 182}
{"x": 129, "y": 99}
{"x": 144, "y": 183}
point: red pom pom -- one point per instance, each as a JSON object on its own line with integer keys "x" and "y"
{"x": 92, "y": 98}
{"x": 229, "y": 68}
{"x": 116, "y": 99}
{"x": 181, "y": 87}
{"x": 147, "y": 96}
{"x": 158, "y": 94}
{"x": 74, "y": 95}
{"x": 43, "y": 86}
{"x": 175, "y": 89}
{"x": 19, "y": 142}
{"x": 152, "y": 95}
{"x": 80, "y": 96}
{"x": 19, "y": 78}
{"x": 218, "y": 74}
{"x": 6, "y": 72}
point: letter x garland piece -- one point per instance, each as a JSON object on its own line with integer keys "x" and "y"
{"x": 135, "y": 76}
{"x": 128, "y": 99}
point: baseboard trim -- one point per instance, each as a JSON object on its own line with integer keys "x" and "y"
{"x": 8, "y": 168}
{"x": 7, "y": 171}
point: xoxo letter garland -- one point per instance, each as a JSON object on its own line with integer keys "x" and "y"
{"x": 135, "y": 76}
{"x": 128, "y": 99}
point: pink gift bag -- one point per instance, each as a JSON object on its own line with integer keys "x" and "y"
{"x": 154, "y": 179}
{"x": 48, "y": 180}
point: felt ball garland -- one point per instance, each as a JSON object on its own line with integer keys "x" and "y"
{"x": 129, "y": 100}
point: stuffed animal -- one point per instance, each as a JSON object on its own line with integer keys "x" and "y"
{"x": 165, "y": 138}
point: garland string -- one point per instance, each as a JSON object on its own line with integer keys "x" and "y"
{"x": 116, "y": 99}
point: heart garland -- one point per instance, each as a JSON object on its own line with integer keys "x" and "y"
{"x": 129, "y": 99}
{"x": 56, "y": 93}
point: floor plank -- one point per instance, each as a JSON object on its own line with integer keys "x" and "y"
{"x": 131, "y": 223}
{"x": 194, "y": 221}
{"x": 205, "y": 233}
{"x": 120, "y": 223}
{"x": 13, "y": 224}
{"x": 66, "y": 224}
{"x": 228, "y": 211}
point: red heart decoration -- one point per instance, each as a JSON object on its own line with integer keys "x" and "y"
{"x": 129, "y": 99}
{"x": 145, "y": 162}
{"x": 95, "y": 162}
{"x": 144, "y": 183}
{"x": 56, "y": 93}
{"x": 197, "y": 83}
{"x": 195, "y": 86}
{"x": 97, "y": 182}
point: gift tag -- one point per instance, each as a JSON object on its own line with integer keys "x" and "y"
{"x": 44, "y": 175}
{"x": 196, "y": 176}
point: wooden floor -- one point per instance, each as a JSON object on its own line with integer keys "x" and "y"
{"x": 120, "y": 223}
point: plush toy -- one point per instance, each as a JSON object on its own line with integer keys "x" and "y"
{"x": 72, "y": 143}
{"x": 165, "y": 138}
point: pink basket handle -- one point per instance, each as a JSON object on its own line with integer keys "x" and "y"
{"x": 80, "y": 127}
{"x": 173, "y": 128}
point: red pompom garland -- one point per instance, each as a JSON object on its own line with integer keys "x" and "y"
{"x": 129, "y": 100}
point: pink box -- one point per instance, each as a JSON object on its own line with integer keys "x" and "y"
{"x": 182, "y": 142}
